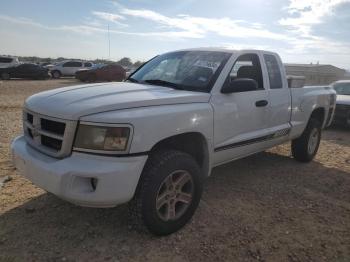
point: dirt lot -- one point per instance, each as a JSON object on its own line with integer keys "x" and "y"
{"x": 263, "y": 208}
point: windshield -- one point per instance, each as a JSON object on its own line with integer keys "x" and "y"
{"x": 187, "y": 70}
{"x": 97, "y": 66}
{"x": 342, "y": 88}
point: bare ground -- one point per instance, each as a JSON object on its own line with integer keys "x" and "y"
{"x": 266, "y": 207}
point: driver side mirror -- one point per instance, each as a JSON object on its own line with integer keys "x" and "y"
{"x": 240, "y": 85}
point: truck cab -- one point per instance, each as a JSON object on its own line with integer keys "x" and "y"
{"x": 249, "y": 120}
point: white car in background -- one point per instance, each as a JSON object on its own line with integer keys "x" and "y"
{"x": 8, "y": 61}
{"x": 342, "y": 111}
{"x": 69, "y": 68}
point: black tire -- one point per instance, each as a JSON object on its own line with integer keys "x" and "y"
{"x": 56, "y": 74}
{"x": 305, "y": 147}
{"x": 347, "y": 121}
{"x": 5, "y": 76}
{"x": 159, "y": 168}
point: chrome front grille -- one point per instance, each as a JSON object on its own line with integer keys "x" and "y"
{"x": 52, "y": 136}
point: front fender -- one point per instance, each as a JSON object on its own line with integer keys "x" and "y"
{"x": 155, "y": 123}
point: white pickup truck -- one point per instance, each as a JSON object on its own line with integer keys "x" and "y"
{"x": 153, "y": 139}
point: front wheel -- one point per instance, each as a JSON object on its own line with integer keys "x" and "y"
{"x": 305, "y": 147}
{"x": 56, "y": 74}
{"x": 169, "y": 193}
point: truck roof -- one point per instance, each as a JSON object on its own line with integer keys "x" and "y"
{"x": 227, "y": 50}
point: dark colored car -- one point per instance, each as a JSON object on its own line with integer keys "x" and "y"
{"x": 104, "y": 73}
{"x": 342, "y": 110}
{"x": 27, "y": 71}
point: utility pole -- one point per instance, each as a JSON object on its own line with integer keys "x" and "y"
{"x": 109, "y": 45}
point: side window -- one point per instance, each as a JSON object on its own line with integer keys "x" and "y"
{"x": 77, "y": 64}
{"x": 5, "y": 60}
{"x": 67, "y": 64}
{"x": 88, "y": 64}
{"x": 274, "y": 72}
{"x": 237, "y": 66}
{"x": 247, "y": 66}
{"x": 72, "y": 64}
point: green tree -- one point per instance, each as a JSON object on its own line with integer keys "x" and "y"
{"x": 137, "y": 64}
{"x": 125, "y": 61}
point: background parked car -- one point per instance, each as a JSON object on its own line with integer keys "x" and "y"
{"x": 105, "y": 73}
{"x": 69, "y": 68}
{"x": 28, "y": 71}
{"x": 46, "y": 65}
{"x": 342, "y": 110}
{"x": 8, "y": 61}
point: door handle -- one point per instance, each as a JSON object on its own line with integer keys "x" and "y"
{"x": 261, "y": 103}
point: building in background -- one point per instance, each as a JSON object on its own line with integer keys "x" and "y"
{"x": 316, "y": 74}
{"x": 347, "y": 75}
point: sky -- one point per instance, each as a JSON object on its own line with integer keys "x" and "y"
{"x": 301, "y": 31}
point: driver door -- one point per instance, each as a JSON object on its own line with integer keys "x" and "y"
{"x": 241, "y": 119}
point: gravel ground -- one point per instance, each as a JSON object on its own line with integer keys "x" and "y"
{"x": 266, "y": 207}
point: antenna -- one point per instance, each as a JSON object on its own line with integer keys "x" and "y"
{"x": 109, "y": 45}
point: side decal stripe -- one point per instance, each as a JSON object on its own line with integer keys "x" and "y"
{"x": 279, "y": 133}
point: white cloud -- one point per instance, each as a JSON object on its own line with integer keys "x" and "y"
{"x": 308, "y": 13}
{"x": 181, "y": 26}
{"x": 95, "y": 28}
{"x": 82, "y": 29}
{"x": 21, "y": 20}
{"x": 114, "y": 18}
{"x": 198, "y": 27}
{"x": 304, "y": 15}
{"x": 295, "y": 36}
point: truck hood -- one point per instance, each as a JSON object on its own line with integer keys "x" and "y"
{"x": 71, "y": 103}
{"x": 343, "y": 100}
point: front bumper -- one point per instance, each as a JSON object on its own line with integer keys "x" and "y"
{"x": 70, "y": 178}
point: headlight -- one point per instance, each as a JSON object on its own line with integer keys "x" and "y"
{"x": 102, "y": 138}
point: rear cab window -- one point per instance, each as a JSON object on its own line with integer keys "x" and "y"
{"x": 274, "y": 71}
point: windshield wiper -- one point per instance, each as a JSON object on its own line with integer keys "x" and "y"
{"x": 160, "y": 82}
{"x": 133, "y": 80}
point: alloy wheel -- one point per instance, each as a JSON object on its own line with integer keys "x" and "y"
{"x": 174, "y": 195}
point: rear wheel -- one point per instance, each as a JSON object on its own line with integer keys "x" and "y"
{"x": 56, "y": 74}
{"x": 169, "y": 192}
{"x": 5, "y": 76}
{"x": 305, "y": 147}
